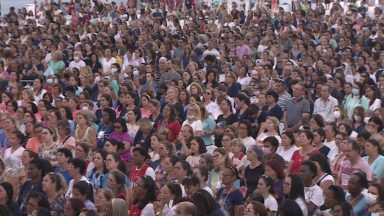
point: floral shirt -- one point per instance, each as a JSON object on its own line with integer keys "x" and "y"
{"x": 58, "y": 205}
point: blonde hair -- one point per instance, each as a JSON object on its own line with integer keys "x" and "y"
{"x": 198, "y": 86}
{"x": 87, "y": 115}
{"x": 238, "y": 142}
{"x": 197, "y": 110}
{"x": 275, "y": 121}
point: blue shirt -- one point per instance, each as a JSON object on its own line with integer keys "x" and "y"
{"x": 65, "y": 174}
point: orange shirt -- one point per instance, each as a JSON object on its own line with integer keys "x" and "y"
{"x": 33, "y": 144}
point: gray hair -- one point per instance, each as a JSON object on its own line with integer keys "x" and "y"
{"x": 259, "y": 152}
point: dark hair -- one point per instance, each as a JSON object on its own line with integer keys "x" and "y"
{"x": 255, "y": 196}
{"x": 362, "y": 178}
{"x": 204, "y": 201}
{"x": 269, "y": 183}
{"x": 39, "y": 165}
{"x": 76, "y": 205}
{"x": 277, "y": 167}
{"x": 289, "y": 207}
{"x": 42, "y": 199}
{"x": 311, "y": 165}
{"x": 318, "y": 119}
{"x": 297, "y": 187}
{"x": 111, "y": 113}
{"x": 243, "y": 97}
{"x": 67, "y": 153}
{"x": 32, "y": 154}
{"x": 108, "y": 98}
{"x": 68, "y": 112}
{"x": 14, "y": 104}
{"x": 86, "y": 189}
{"x": 142, "y": 151}
{"x": 192, "y": 180}
{"x": 273, "y": 94}
{"x": 202, "y": 147}
{"x": 290, "y": 135}
{"x": 321, "y": 133}
{"x": 175, "y": 190}
{"x": 120, "y": 145}
{"x": 150, "y": 195}
{"x": 248, "y": 124}
{"x": 34, "y": 108}
{"x": 208, "y": 160}
{"x": 355, "y": 146}
{"x": 122, "y": 167}
{"x": 78, "y": 163}
{"x": 273, "y": 141}
{"x": 41, "y": 211}
{"x": 204, "y": 172}
{"x": 120, "y": 180}
{"x": 346, "y": 207}
{"x": 19, "y": 136}
{"x": 376, "y": 120}
{"x": 308, "y": 134}
{"x": 65, "y": 125}
{"x": 8, "y": 190}
{"x": 380, "y": 189}
{"x": 323, "y": 162}
{"x": 348, "y": 128}
{"x": 123, "y": 124}
{"x": 338, "y": 193}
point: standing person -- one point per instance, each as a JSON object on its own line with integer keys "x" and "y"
{"x": 229, "y": 198}
{"x": 297, "y": 107}
{"x": 325, "y": 104}
{"x": 313, "y": 193}
{"x": 54, "y": 186}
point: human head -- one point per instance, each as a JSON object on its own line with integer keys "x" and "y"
{"x": 186, "y": 209}
{"x": 204, "y": 201}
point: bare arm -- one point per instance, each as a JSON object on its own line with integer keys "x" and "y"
{"x": 92, "y": 138}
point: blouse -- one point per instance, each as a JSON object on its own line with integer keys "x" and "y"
{"x": 297, "y": 159}
{"x": 48, "y": 154}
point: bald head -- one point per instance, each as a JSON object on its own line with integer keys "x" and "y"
{"x": 186, "y": 209}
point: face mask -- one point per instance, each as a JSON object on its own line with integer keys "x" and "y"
{"x": 355, "y": 91}
{"x": 49, "y": 81}
{"x": 135, "y": 73}
{"x": 97, "y": 79}
{"x": 371, "y": 198}
{"x": 357, "y": 118}
{"x": 114, "y": 70}
{"x": 336, "y": 114}
{"x": 84, "y": 108}
{"x": 76, "y": 58}
{"x": 366, "y": 119}
{"x": 190, "y": 117}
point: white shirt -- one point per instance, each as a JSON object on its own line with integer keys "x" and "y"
{"x": 314, "y": 194}
{"x": 77, "y": 65}
{"x": 286, "y": 154}
{"x": 70, "y": 186}
{"x": 13, "y": 159}
{"x": 270, "y": 203}
{"x": 376, "y": 104}
{"x": 325, "y": 108}
{"x": 107, "y": 65}
{"x": 196, "y": 125}
{"x": 148, "y": 210}
{"x": 334, "y": 150}
{"x": 194, "y": 161}
{"x": 150, "y": 172}
{"x": 249, "y": 141}
{"x": 244, "y": 82}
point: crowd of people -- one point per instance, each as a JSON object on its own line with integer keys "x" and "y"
{"x": 192, "y": 108}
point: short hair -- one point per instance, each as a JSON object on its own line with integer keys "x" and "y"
{"x": 273, "y": 94}
{"x": 191, "y": 181}
{"x": 345, "y": 207}
{"x": 67, "y": 153}
{"x": 258, "y": 208}
{"x": 142, "y": 152}
{"x": 42, "y": 199}
{"x": 39, "y": 165}
{"x": 208, "y": 160}
{"x": 273, "y": 141}
{"x": 338, "y": 193}
{"x": 322, "y": 161}
{"x": 311, "y": 165}
{"x": 78, "y": 163}
{"x": 76, "y": 204}
{"x": 190, "y": 208}
{"x": 275, "y": 165}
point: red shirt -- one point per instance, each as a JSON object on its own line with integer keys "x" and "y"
{"x": 297, "y": 159}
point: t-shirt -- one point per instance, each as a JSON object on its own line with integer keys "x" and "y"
{"x": 347, "y": 169}
{"x": 287, "y": 155}
{"x": 13, "y": 159}
{"x": 314, "y": 194}
{"x": 252, "y": 177}
{"x": 270, "y": 203}
{"x": 298, "y": 158}
{"x": 228, "y": 201}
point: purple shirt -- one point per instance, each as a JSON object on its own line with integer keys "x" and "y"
{"x": 126, "y": 155}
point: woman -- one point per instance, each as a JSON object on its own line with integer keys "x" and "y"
{"x": 318, "y": 141}
{"x": 274, "y": 170}
{"x": 105, "y": 101}
{"x": 265, "y": 188}
{"x": 169, "y": 125}
{"x": 210, "y": 79}
{"x": 224, "y": 120}
{"x": 74, "y": 105}
{"x": 84, "y": 132}
{"x": 289, "y": 207}
{"x": 65, "y": 139}
{"x": 139, "y": 166}
{"x": 114, "y": 163}
{"x": 287, "y": 147}
{"x": 338, "y": 114}
{"x": 126, "y": 102}
{"x": 209, "y": 126}
{"x": 316, "y": 121}
{"x": 246, "y": 132}
{"x": 66, "y": 114}
{"x": 145, "y": 111}
{"x": 356, "y": 99}
{"x": 209, "y": 103}
{"x": 324, "y": 177}
{"x": 168, "y": 172}
{"x": 220, "y": 161}
{"x": 169, "y": 196}
{"x": 255, "y": 169}
{"x": 194, "y": 119}
{"x": 156, "y": 139}
{"x": 357, "y": 183}
{"x": 73, "y": 207}
{"x": 239, "y": 158}
{"x": 99, "y": 174}
{"x": 313, "y": 193}
{"x": 38, "y": 89}
{"x": 332, "y": 196}
{"x": 6, "y": 198}
{"x": 9, "y": 125}
{"x": 11, "y": 108}
{"x": 373, "y": 102}
{"x": 242, "y": 103}
{"x": 103, "y": 201}
{"x": 267, "y": 129}
{"x": 5, "y": 97}
{"x": 233, "y": 86}
{"x": 27, "y": 156}
{"x": 84, "y": 192}
{"x": 13, "y": 155}
{"x": 197, "y": 148}
{"x": 54, "y": 186}
{"x": 143, "y": 197}
{"x": 166, "y": 149}
{"x": 171, "y": 98}
{"x": 49, "y": 145}
{"x": 374, "y": 158}
{"x": 340, "y": 141}
{"x": 184, "y": 99}
{"x": 294, "y": 190}
{"x": 229, "y": 198}
{"x": 305, "y": 142}
{"x": 120, "y": 133}
{"x": 206, "y": 204}
{"x": 156, "y": 116}
{"x": 358, "y": 123}
{"x": 56, "y": 65}
{"x": 106, "y": 127}
{"x": 116, "y": 182}
{"x": 255, "y": 208}
{"x": 183, "y": 141}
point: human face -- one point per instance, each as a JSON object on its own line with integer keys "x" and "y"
{"x": 46, "y": 136}
{"x": 154, "y": 143}
{"x": 167, "y": 164}
{"x": 32, "y": 205}
{"x": 165, "y": 194}
{"x": 249, "y": 211}
{"x": 179, "y": 170}
{"x": 80, "y": 120}
{"x": 98, "y": 160}
{"x": 47, "y": 183}
{"x": 354, "y": 186}
{"x": 109, "y": 148}
{"x": 262, "y": 187}
{"x": 329, "y": 198}
{"x": 3, "y": 194}
{"x": 163, "y": 151}
{"x": 305, "y": 174}
{"x": 25, "y": 158}
{"x": 287, "y": 185}
{"x": 166, "y": 111}
{"x": 226, "y": 142}
{"x": 33, "y": 172}
{"x": 112, "y": 184}
{"x": 137, "y": 158}
{"x": 195, "y": 147}
{"x": 218, "y": 159}
{"x": 243, "y": 131}
{"x": 227, "y": 176}
{"x": 270, "y": 172}
{"x": 224, "y": 106}
{"x": 369, "y": 148}
{"x": 101, "y": 200}
{"x": 303, "y": 140}
{"x": 111, "y": 163}
{"x": 68, "y": 210}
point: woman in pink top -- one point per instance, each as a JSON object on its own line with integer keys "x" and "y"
{"x": 145, "y": 111}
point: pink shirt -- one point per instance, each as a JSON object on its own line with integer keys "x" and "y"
{"x": 347, "y": 169}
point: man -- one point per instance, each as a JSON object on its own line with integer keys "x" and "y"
{"x": 354, "y": 163}
{"x": 296, "y": 108}
{"x": 170, "y": 75}
{"x": 162, "y": 69}
{"x": 284, "y": 96}
{"x": 63, "y": 157}
{"x": 325, "y": 104}
{"x": 186, "y": 209}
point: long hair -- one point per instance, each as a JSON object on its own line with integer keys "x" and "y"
{"x": 297, "y": 188}
{"x": 204, "y": 201}
{"x": 150, "y": 196}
